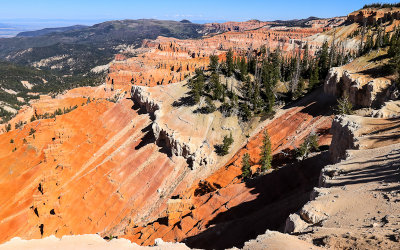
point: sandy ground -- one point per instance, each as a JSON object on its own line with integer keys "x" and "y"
{"x": 359, "y": 206}
{"x": 88, "y": 241}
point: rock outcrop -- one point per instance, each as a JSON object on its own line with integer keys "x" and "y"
{"x": 197, "y": 155}
{"x": 372, "y": 16}
{"x": 356, "y": 204}
{"x": 390, "y": 109}
{"x": 188, "y": 134}
{"x": 343, "y": 130}
{"x": 168, "y": 60}
{"x": 209, "y": 202}
{"x": 362, "y": 92}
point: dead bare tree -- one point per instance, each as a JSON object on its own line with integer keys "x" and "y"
{"x": 332, "y": 52}
{"x": 362, "y": 36}
{"x": 296, "y": 72}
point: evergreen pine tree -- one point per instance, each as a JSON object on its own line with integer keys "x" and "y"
{"x": 369, "y": 44}
{"x": 344, "y": 106}
{"x": 245, "y": 112}
{"x": 197, "y": 86}
{"x": 243, "y": 69}
{"x": 270, "y": 102}
{"x": 226, "y": 144}
{"x": 309, "y": 144}
{"x": 229, "y": 63}
{"x": 216, "y": 86}
{"x": 256, "y": 99}
{"x": 214, "y": 62}
{"x": 251, "y": 66}
{"x": 305, "y": 63}
{"x": 314, "y": 79}
{"x": 386, "y": 39}
{"x": 210, "y": 107}
{"x": 295, "y": 79}
{"x": 300, "y": 88}
{"x": 266, "y": 153}
{"x": 323, "y": 62}
{"x": 246, "y": 171}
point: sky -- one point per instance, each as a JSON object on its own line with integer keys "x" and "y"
{"x": 205, "y": 10}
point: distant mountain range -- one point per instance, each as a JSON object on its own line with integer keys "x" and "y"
{"x": 46, "y": 31}
{"x": 66, "y": 55}
{"x": 88, "y": 46}
{"x": 12, "y": 27}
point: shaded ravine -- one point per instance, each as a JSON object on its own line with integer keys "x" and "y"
{"x": 230, "y": 212}
{"x": 279, "y": 194}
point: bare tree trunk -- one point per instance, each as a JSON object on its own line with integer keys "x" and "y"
{"x": 295, "y": 78}
{"x": 332, "y": 52}
{"x": 362, "y": 36}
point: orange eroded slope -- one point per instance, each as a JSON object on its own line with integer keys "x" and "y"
{"x": 193, "y": 211}
{"x": 83, "y": 172}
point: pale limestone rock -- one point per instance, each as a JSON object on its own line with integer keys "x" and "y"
{"x": 361, "y": 92}
{"x": 294, "y": 224}
{"x": 343, "y": 130}
{"x": 312, "y": 214}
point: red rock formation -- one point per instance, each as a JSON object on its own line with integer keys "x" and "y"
{"x": 98, "y": 169}
{"x": 234, "y": 26}
{"x": 372, "y": 16}
{"x": 86, "y": 171}
{"x": 325, "y": 23}
{"x": 197, "y": 206}
{"x": 169, "y": 60}
{"x": 47, "y": 104}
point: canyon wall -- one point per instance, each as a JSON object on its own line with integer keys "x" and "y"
{"x": 149, "y": 169}
{"x": 91, "y": 170}
{"x": 372, "y": 16}
{"x": 168, "y": 60}
{"x": 361, "y": 91}
{"x": 208, "y": 203}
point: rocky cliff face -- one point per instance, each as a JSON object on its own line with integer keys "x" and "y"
{"x": 168, "y": 60}
{"x": 362, "y": 91}
{"x": 344, "y": 137}
{"x": 54, "y": 175}
{"x": 233, "y": 26}
{"x": 210, "y": 201}
{"x": 105, "y": 168}
{"x": 197, "y": 151}
{"x": 372, "y": 16}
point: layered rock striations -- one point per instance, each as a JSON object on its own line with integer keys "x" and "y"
{"x": 211, "y": 28}
{"x": 150, "y": 171}
{"x": 372, "y": 16}
{"x": 91, "y": 170}
{"x": 168, "y": 60}
{"x": 362, "y": 92}
{"x": 192, "y": 211}
{"x": 194, "y": 136}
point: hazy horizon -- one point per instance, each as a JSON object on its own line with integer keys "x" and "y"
{"x": 28, "y": 16}
{"x": 205, "y": 10}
